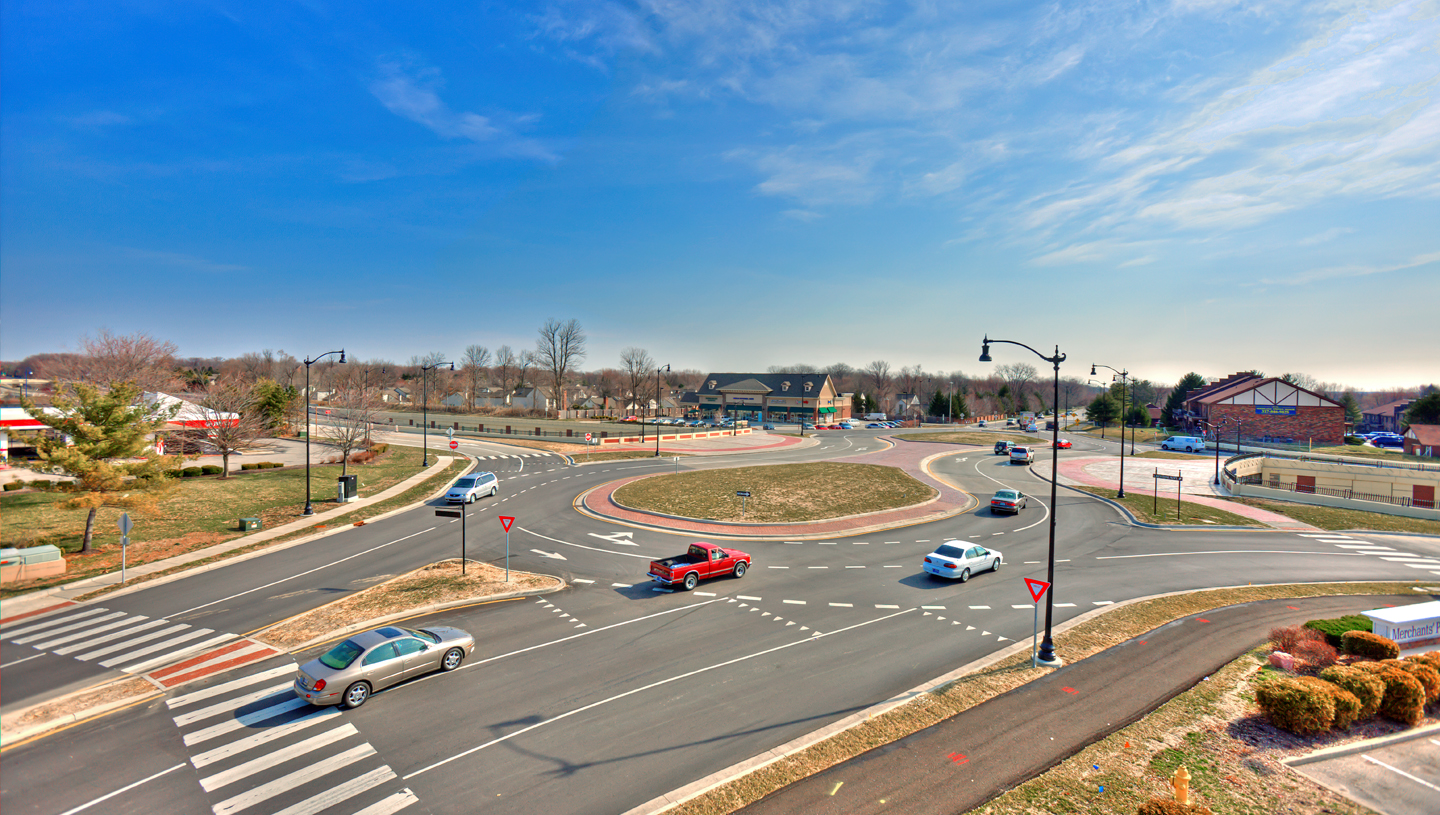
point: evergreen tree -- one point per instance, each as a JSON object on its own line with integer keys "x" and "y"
{"x": 958, "y": 405}
{"x": 1187, "y": 383}
{"x": 107, "y": 430}
{"x": 1103, "y": 410}
{"x": 1137, "y": 416}
{"x": 1425, "y": 410}
{"x": 938, "y": 404}
{"x": 275, "y": 401}
{"x": 1352, "y": 407}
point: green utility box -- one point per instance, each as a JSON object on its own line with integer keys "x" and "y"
{"x": 249, "y": 524}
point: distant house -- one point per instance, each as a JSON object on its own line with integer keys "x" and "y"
{"x": 400, "y": 395}
{"x": 455, "y": 400}
{"x": 529, "y": 399}
{"x": 905, "y": 404}
{"x": 1422, "y": 440}
{"x": 1157, "y": 413}
{"x": 1384, "y": 417}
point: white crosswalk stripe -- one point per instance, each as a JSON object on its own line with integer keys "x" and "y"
{"x": 132, "y": 643}
{"x": 262, "y": 749}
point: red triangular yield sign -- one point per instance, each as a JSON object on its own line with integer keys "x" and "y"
{"x": 505, "y": 521}
{"x": 1036, "y": 587}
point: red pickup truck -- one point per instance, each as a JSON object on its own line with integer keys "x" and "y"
{"x": 702, "y": 560}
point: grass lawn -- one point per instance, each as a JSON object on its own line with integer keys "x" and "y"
{"x": 194, "y": 512}
{"x": 782, "y": 493}
{"x": 1331, "y": 518}
{"x": 1141, "y": 503}
{"x": 1140, "y": 434}
{"x": 1365, "y": 451}
{"x": 1252, "y": 780}
{"x": 976, "y": 437}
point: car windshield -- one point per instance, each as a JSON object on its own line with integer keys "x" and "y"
{"x": 950, "y": 551}
{"x": 429, "y": 636}
{"x": 1006, "y": 495}
{"x": 341, "y": 655}
{"x": 467, "y": 481}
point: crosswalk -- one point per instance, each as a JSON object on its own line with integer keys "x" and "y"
{"x": 259, "y": 748}
{"x": 1389, "y": 554}
{"x": 132, "y": 643}
{"x": 517, "y": 455}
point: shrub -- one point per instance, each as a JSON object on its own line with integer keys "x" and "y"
{"x": 172, "y": 473}
{"x": 1169, "y": 806}
{"x": 1404, "y": 699}
{"x": 190, "y": 472}
{"x": 1427, "y": 676}
{"x": 1334, "y": 629}
{"x": 1366, "y": 644}
{"x": 1368, "y": 688}
{"x": 1296, "y": 706}
{"x": 362, "y": 457}
{"x": 249, "y": 466}
{"x": 270, "y": 465}
{"x": 211, "y": 469}
{"x": 379, "y": 448}
{"x": 13, "y": 485}
{"x": 1431, "y": 658}
{"x": 1347, "y": 704}
{"x": 1317, "y": 653}
{"x": 1287, "y": 639}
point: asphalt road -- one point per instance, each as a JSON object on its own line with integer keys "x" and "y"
{"x": 611, "y": 692}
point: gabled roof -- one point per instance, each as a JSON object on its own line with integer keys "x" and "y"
{"x": 1218, "y": 385}
{"x": 775, "y": 382}
{"x": 1388, "y": 409}
{"x": 751, "y": 385}
{"x": 1425, "y": 434}
{"x": 1272, "y": 391}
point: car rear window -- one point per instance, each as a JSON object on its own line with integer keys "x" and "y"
{"x": 341, "y": 655}
{"x": 1019, "y": 449}
{"x": 950, "y": 551}
{"x": 1005, "y": 495}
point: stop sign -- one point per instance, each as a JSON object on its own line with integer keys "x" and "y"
{"x": 454, "y": 444}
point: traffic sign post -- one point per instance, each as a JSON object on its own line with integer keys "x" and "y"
{"x": 1037, "y": 589}
{"x": 457, "y": 513}
{"x": 1155, "y": 503}
{"x": 743, "y": 495}
{"x": 125, "y": 527}
{"x": 454, "y": 444}
{"x": 507, "y": 522}
{"x": 587, "y": 446}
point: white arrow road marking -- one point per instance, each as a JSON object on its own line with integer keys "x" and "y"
{"x": 555, "y": 555}
{"x": 615, "y": 537}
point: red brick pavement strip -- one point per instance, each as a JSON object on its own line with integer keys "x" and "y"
{"x": 1074, "y": 469}
{"x": 204, "y": 665}
{"x": 4, "y": 620}
{"x": 908, "y": 457}
{"x": 784, "y": 442}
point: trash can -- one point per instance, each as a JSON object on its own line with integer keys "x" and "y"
{"x": 249, "y": 524}
{"x": 348, "y": 488}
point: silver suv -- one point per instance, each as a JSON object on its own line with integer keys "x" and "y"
{"x": 1021, "y": 455}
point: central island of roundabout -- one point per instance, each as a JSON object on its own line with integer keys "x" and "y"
{"x": 789, "y": 501}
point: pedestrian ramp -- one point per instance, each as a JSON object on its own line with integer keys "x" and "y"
{"x": 132, "y": 643}
{"x": 257, "y": 747}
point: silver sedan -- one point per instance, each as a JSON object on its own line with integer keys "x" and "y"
{"x": 366, "y": 663}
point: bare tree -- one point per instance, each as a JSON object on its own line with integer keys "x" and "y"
{"x": 233, "y": 419}
{"x": 108, "y": 359}
{"x": 559, "y": 348}
{"x": 475, "y": 363}
{"x": 428, "y": 381}
{"x": 842, "y": 375}
{"x": 638, "y": 365}
{"x": 877, "y": 374}
{"x": 348, "y": 427}
{"x": 690, "y": 379}
{"x": 607, "y": 384}
{"x": 523, "y": 364}
{"x": 911, "y": 378}
{"x": 1018, "y": 375}
{"x": 504, "y": 369}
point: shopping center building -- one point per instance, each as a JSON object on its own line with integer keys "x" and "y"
{"x": 782, "y": 397}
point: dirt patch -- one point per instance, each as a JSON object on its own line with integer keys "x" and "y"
{"x": 79, "y": 703}
{"x": 782, "y": 493}
{"x": 437, "y": 583}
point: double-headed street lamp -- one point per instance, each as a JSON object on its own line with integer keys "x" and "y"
{"x": 1124, "y": 386}
{"x": 1214, "y": 428}
{"x": 1047, "y": 646}
{"x": 658, "y": 371}
{"x": 425, "y": 409}
{"x": 310, "y": 510}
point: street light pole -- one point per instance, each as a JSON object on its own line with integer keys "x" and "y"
{"x": 310, "y": 510}
{"x": 1124, "y": 378}
{"x": 658, "y": 371}
{"x": 425, "y": 409}
{"x": 1216, "y": 430}
{"x": 1047, "y": 646}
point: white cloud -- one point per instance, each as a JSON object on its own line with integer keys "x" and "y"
{"x": 413, "y": 96}
{"x": 1356, "y": 270}
{"x": 1324, "y": 237}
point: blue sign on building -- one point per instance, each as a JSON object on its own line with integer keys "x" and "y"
{"x": 1275, "y": 410}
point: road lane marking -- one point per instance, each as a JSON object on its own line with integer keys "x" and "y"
{"x": 285, "y": 783}
{"x": 18, "y": 661}
{"x": 20, "y": 632}
{"x": 1399, "y": 771}
{"x": 265, "y": 736}
{"x": 1231, "y": 552}
{"x": 854, "y": 567}
{"x": 816, "y": 635}
{"x": 240, "y": 722}
{"x": 473, "y": 663}
{"x": 794, "y": 602}
{"x": 746, "y": 597}
{"x": 214, "y": 782}
{"x": 125, "y": 788}
{"x": 979, "y": 608}
{"x": 225, "y": 687}
{"x": 881, "y": 605}
{"x": 843, "y": 605}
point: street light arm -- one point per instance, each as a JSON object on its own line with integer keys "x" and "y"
{"x": 341, "y": 352}
{"x": 985, "y": 351}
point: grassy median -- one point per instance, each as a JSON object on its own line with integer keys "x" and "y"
{"x": 1148, "y": 509}
{"x": 782, "y": 493}
{"x": 975, "y": 437}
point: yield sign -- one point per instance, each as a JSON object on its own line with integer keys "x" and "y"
{"x": 1037, "y": 588}
{"x": 506, "y": 521}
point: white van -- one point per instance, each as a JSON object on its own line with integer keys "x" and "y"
{"x": 472, "y": 486}
{"x": 874, "y": 417}
{"x": 1187, "y": 443}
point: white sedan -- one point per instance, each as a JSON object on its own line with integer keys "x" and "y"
{"x": 955, "y": 559}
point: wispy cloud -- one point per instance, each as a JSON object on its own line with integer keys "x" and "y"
{"x": 414, "y": 96}
{"x": 1356, "y": 270}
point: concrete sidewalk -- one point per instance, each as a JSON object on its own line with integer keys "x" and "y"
{"x": 911, "y": 457}
{"x": 56, "y": 595}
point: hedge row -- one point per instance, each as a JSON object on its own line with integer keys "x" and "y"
{"x": 261, "y": 465}
{"x": 1334, "y": 629}
{"x": 1397, "y": 689}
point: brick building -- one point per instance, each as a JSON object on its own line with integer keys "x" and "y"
{"x": 1266, "y": 409}
{"x": 1422, "y": 440}
{"x": 1384, "y": 417}
{"x": 771, "y": 397}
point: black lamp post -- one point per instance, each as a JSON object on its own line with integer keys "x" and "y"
{"x": 658, "y": 371}
{"x": 310, "y": 510}
{"x": 425, "y": 409}
{"x": 1237, "y": 422}
{"x": 1124, "y": 377}
{"x": 1216, "y": 430}
{"x": 365, "y": 405}
{"x": 1047, "y": 646}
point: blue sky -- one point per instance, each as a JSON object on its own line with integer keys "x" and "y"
{"x": 1207, "y": 186}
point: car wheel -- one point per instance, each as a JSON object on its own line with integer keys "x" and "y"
{"x": 355, "y": 695}
{"x": 452, "y": 659}
{"x": 964, "y": 575}
{"x": 996, "y": 566}
{"x": 494, "y": 491}
{"x": 740, "y": 569}
{"x": 691, "y": 581}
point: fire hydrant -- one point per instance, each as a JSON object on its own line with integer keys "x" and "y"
{"x": 1181, "y": 780}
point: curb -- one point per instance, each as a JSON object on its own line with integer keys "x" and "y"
{"x": 1360, "y": 746}
{"x": 17, "y": 737}
{"x": 740, "y": 769}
